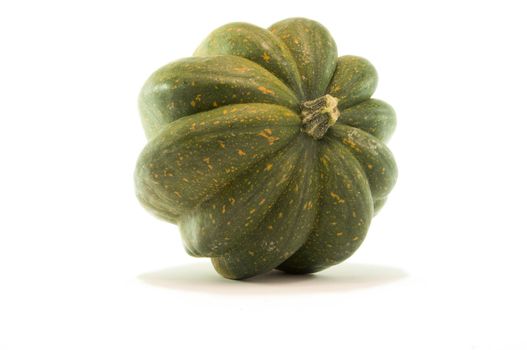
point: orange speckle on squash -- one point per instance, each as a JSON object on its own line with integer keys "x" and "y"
{"x": 265, "y": 90}
{"x": 266, "y": 133}
{"x": 240, "y": 69}
{"x": 241, "y": 152}
{"x": 337, "y": 197}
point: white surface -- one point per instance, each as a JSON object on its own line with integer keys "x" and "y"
{"x": 83, "y": 266}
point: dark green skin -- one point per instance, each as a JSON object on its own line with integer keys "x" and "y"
{"x": 229, "y": 162}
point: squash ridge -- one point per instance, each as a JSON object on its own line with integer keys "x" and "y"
{"x": 280, "y": 195}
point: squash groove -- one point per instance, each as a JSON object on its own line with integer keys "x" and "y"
{"x": 225, "y": 220}
{"x": 284, "y": 229}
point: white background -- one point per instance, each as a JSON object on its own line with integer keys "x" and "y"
{"x": 83, "y": 266}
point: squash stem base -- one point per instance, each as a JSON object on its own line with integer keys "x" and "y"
{"x": 319, "y": 115}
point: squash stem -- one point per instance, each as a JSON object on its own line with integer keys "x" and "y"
{"x": 319, "y": 115}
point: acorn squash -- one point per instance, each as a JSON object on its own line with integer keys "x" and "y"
{"x": 266, "y": 149}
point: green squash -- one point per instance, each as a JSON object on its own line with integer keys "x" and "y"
{"x": 266, "y": 149}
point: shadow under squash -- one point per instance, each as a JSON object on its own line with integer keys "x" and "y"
{"x": 201, "y": 277}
